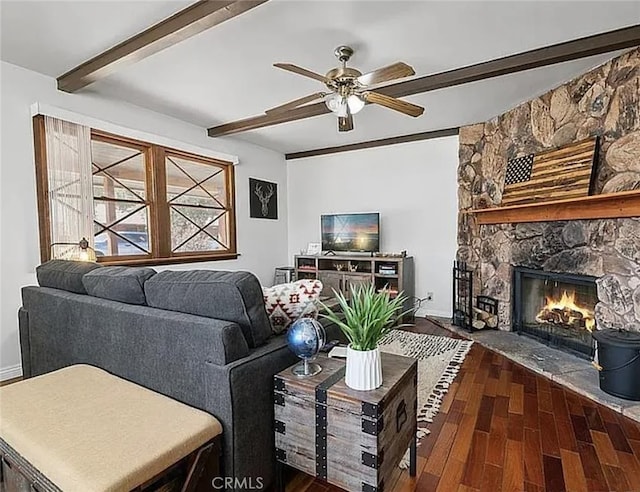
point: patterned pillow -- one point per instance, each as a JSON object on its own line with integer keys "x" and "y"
{"x": 285, "y": 303}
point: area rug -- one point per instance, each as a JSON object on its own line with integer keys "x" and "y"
{"x": 439, "y": 360}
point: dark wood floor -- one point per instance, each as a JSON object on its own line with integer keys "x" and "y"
{"x": 504, "y": 428}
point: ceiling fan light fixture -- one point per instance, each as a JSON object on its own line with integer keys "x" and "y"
{"x": 338, "y": 104}
{"x": 356, "y": 103}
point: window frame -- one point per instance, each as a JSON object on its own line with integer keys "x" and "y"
{"x": 159, "y": 225}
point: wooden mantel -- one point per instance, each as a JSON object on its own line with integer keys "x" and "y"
{"x": 607, "y": 206}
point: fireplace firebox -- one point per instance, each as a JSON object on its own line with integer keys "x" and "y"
{"x": 556, "y": 308}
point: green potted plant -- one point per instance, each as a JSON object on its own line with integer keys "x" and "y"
{"x": 365, "y": 319}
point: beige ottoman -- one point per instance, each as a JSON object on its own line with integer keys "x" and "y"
{"x": 83, "y": 429}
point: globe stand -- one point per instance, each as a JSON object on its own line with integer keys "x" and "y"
{"x": 306, "y": 369}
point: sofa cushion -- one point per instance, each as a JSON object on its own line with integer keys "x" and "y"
{"x": 285, "y": 303}
{"x": 118, "y": 283}
{"x": 64, "y": 274}
{"x": 229, "y": 296}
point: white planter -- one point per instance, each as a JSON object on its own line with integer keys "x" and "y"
{"x": 364, "y": 369}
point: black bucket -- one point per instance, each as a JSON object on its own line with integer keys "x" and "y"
{"x": 619, "y": 357}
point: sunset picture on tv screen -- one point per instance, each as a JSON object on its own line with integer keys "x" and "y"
{"x": 350, "y": 232}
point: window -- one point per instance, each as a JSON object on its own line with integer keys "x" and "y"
{"x": 151, "y": 204}
{"x": 121, "y": 208}
{"x": 198, "y": 204}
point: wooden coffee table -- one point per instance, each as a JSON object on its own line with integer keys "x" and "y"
{"x": 352, "y": 439}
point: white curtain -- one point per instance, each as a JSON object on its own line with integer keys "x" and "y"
{"x": 70, "y": 185}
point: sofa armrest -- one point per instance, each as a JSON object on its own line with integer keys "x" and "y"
{"x": 231, "y": 344}
{"x": 240, "y": 395}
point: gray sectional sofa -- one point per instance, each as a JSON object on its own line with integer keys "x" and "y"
{"x": 202, "y": 337}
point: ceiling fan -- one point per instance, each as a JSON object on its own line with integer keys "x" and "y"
{"x": 350, "y": 89}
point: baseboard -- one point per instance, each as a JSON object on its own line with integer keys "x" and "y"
{"x": 433, "y": 312}
{"x": 10, "y": 372}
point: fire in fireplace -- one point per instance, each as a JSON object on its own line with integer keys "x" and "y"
{"x": 566, "y": 313}
{"x": 555, "y": 308}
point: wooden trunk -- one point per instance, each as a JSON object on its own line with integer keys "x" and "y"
{"x": 352, "y": 439}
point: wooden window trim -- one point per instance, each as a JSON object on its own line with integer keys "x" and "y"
{"x": 42, "y": 187}
{"x": 159, "y": 225}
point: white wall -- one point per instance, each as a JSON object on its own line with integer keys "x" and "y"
{"x": 412, "y": 185}
{"x": 261, "y": 243}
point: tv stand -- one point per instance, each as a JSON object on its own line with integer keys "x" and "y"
{"x": 341, "y": 272}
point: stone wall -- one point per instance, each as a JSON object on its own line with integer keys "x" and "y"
{"x": 603, "y": 102}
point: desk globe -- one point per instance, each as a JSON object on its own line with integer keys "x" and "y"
{"x": 305, "y": 338}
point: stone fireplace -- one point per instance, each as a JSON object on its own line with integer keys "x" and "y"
{"x": 555, "y": 308}
{"x": 604, "y": 102}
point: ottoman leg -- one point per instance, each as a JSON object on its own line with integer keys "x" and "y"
{"x": 205, "y": 467}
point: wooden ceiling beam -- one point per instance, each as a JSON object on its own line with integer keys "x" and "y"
{"x": 597, "y": 44}
{"x": 184, "y": 24}
{"x": 413, "y": 137}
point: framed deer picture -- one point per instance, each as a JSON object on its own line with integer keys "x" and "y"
{"x": 263, "y": 199}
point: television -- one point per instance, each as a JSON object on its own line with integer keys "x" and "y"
{"x": 351, "y": 232}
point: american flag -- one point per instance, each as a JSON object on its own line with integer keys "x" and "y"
{"x": 519, "y": 169}
{"x": 550, "y": 175}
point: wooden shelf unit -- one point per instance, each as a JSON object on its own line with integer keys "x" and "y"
{"x": 606, "y": 206}
{"x": 339, "y": 273}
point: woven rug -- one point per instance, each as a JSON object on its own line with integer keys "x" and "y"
{"x": 439, "y": 360}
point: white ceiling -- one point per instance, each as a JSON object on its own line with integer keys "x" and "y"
{"x": 226, "y": 72}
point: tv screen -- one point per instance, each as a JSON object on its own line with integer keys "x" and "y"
{"x": 351, "y": 232}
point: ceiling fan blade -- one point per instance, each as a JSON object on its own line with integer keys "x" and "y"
{"x": 345, "y": 124}
{"x": 384, "y": 74}
{"x": 393, "y": 103}
{"x": 296, "y": 102}
{"x": 301, "y": 71}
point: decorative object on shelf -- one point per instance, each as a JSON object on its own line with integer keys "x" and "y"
{"x": 387, "y": 269}
{"x": 402, "y": 254}
{"x": 305, "y": 338}
{"x": 352, "y": 267}
{"x": 365, "y": 319}
{"x": 80, "y": 251}
{"x": 288, "y": 302}
{"x": 314, "y": 249}
{"x": 565, "y": 172}
{"x": 350, "y": 89}
{"x": 339, "y": 266}
{"x": 263, "y": 199}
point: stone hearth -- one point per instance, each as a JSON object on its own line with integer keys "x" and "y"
{"x": 603, "y": 102}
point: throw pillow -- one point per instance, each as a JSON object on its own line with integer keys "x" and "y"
{"x": 285, "y": 303}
